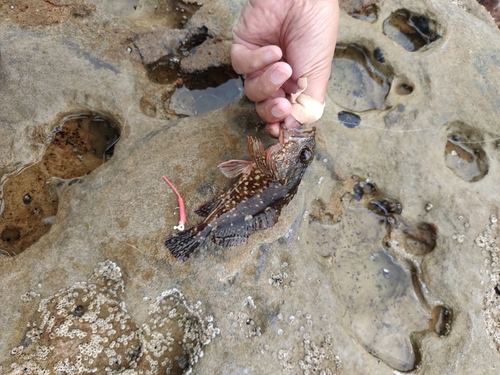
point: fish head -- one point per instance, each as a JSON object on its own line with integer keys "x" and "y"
{"x": 288, "y": 159}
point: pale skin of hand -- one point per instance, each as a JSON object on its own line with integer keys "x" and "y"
{"x": 278, "y": 41}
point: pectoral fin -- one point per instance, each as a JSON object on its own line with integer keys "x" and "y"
{"x": 233, "y": 168}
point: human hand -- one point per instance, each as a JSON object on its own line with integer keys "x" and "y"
{"x": 278, "y": 42}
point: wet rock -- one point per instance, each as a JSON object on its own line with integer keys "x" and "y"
{"x": 173, "y": 14}
{"x": 159, "y": 43}
{"x": 354, "y": 278}
{"x": 212, "y": 53}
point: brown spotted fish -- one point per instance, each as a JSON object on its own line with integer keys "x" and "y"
{"x": 254, "y": 201}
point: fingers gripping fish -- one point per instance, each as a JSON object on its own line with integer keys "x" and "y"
{"x": 254, "y": 201}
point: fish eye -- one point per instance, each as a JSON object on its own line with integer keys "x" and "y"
{"x": 305, "y": 155}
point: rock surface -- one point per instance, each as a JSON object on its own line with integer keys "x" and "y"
{"x": 385, "y": 261}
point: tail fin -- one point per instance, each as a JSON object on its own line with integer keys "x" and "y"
{"x": 184, "y": 243}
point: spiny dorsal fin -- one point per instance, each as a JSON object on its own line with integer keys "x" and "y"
{"x": 233, "y": 168}
{"x": 255, "y": 147}
{"x": 256, "y": 150}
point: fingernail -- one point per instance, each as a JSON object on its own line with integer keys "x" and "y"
{"x": 278, "y": 76}
{"x": 277, "y": 112}
{"x": 290, "y": 122}
{"x": 270, "y": 57}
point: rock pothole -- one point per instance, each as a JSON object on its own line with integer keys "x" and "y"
{"x": 363, "y": 77}
{"x": 80, "y": 144}
{"x": 368, "y": 13}
{"x": 360, "y": 79}
{"x": 376, "y": 254}
{"x": 464, "y": 153}
{"x": 411, "y": 31}
{"x": 194, "y": 93}
{"x": 190, "y": 67}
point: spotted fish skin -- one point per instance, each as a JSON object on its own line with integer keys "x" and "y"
{"x": 255, "y": 200}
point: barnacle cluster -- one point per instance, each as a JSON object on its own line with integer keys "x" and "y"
{"x": 278, "y": 279}
{"x": 246, "y": 320}
{"x": 303, "y": 350}
{"x": 489, "y": 241}
{"x": 317, "y": 359}
{"x": 86, "y": 329}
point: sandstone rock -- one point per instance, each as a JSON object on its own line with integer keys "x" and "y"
{"x": 353, "y": 279}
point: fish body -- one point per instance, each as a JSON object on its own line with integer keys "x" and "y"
{"x": 254, "y": 201}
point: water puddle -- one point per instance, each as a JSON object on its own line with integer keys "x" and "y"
{"x": 410, "y": 31}
{"x": 464, "y": 154}
{"x": 360, "y": 80}
{"x": 198, "y": 92}
{"x": 190, "y": 102}
{"x": 376, "y": 255}
{"x": 80, "y": 144}
{"x": 382, "y": 305}
{"x": 202, "y": 92}
{"x": 463, "y": 160}
{"x": 189, "y": 88}
{"x": 367, "y": 13}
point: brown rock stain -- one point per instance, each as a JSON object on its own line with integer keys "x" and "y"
{"x": 43, "y": 13}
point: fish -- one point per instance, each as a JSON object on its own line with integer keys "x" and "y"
{"x": 262, "y": 187}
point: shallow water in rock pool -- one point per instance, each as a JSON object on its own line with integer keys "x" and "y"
{"x": 376, "y": 255}
{"x": 81, "y": 143}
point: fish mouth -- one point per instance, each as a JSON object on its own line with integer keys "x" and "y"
{"x": 288, "y": 134}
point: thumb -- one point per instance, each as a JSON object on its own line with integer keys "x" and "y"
{"x": 305, "y": 108}
{"x": 317, "y": 83}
